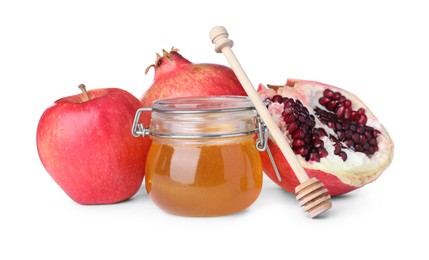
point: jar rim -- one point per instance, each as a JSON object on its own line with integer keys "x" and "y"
{"x": 202, "y": 104}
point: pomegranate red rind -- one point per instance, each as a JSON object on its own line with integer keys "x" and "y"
{"x": 334, "y": 158}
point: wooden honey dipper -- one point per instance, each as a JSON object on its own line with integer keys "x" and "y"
{"x": 311, "y": 194}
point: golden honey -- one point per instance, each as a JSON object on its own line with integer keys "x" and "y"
{"x": 204, "y": 179}
{"x": 203, "y": 160}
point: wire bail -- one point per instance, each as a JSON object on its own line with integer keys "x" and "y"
{"x": 139, "y": 129}
{"x": 262, "y": 145}
{"x": 262, "y": 141}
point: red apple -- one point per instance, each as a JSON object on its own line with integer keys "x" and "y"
{"x": 86, "y": 145}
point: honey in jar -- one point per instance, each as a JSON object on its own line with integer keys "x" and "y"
{"x": 203, "y": 160}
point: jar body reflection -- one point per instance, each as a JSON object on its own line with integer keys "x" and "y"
{"x": 204, "y": 178}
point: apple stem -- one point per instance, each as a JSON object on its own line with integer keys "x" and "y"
{"x": 85, "y": 94}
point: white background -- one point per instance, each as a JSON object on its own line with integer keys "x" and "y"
{"x": 378, "y": 50}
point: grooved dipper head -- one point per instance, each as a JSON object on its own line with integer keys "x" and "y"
{"x": 219, "y": 36}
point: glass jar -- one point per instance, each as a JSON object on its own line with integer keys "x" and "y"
{"x": 203, "y": 160}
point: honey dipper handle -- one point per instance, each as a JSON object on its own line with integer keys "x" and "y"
{"x": 219, "y": 36}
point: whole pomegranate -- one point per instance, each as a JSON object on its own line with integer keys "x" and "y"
{"x": 175, "y": 76}
{"x": 336, "y": 138}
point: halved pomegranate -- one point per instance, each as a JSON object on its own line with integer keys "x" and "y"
{"x": 335, "y": 136}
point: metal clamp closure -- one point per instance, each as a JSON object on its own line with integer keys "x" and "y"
{"x": 139, "y": 129}
{"x": 262, "y": 141}
{"x": 262, "y": 145}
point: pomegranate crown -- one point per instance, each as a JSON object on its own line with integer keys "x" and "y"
{"x": 159, "y": 58}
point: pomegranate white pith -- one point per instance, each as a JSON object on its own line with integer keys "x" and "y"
{"x": 339, "y": 162}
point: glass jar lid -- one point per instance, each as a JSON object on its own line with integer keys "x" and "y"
{"x": 203, "y": 117}
{"x": 197, "y": 105}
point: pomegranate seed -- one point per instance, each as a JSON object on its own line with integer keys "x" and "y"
{"x": 284, "y": 114}
{"x": 343, "y": 155}
{"x": 363, "y": 119}
{"x": 277, "y": 98}
{"x": 360, "y": 129}
{"x": 347, "y": 112}
{"x": 341, "y": 135}
{"x": 318, "y": 143}
{"x": 337, "y": 148}
{"x": 287, "y": 111}
{"x": 347, "y": 103}
{"x": 338, "y": 126}
{"x": 307, "y": 139}
{"x": 354, "y": 116}
{"x": 368, "y": 134}
{"x": 356, "y": 137}
{"x": 310, "y": 123}
{"x": 361, "y": 111}
{"x": 366, "y": 146}
{"x": 306, "y": 112}
{"x": 349, "y": 142}
{"x": 324, "y": 100}
{"x": 331, "y": 105}
{"x": 341, "y": 110}
{"x": 292, "y": 127}
{"x": 289, "y": 103}
{"x": 305, "y": 128}
{"x": 328, "y": 93}
{"x": 320, "y": 111}
{"x": 303, "y": 151}
{"x": 321, "y": 132}
{"x": 376, "y": 132}
{"x": 289, "y": 118}
{"x": 314, "y": 157}
{"x": 358, "y": 148}
{"x": 348, "y": 134}
{"x": 322, "y": 152}
{"x": 333, "y": 139}
{"x": 298, "y": 134}
{"x": 298, "y": 143}
{"x": 336, "y": 96}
